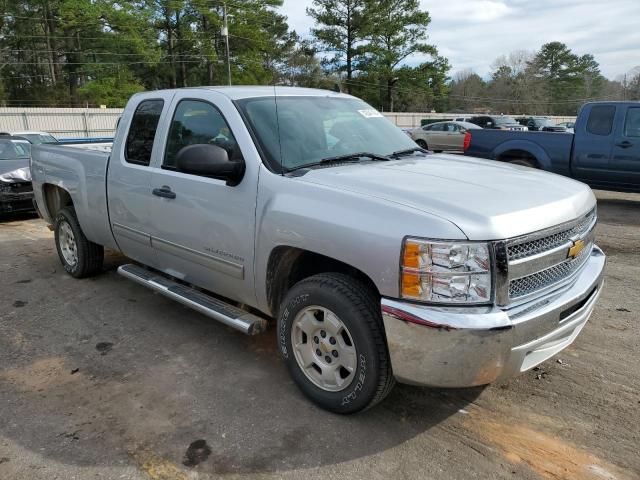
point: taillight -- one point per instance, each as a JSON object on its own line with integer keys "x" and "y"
{"x": 467, "y": 141}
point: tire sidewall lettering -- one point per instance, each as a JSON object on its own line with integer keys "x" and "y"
{"x": 357, "y": 388}
{"x": 284, "y": 322}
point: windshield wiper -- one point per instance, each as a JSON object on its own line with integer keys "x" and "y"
{"x": 408, "y": 151}
{"x": 349, "y": 157}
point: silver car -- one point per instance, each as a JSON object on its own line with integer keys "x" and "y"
{"x": 442, "y": 136}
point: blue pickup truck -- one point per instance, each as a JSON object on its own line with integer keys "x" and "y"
{"x": 604, "y": 151}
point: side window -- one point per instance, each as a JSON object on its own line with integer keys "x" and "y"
{"x": 426, "y": 128}
{"x": 437, "y": 127}
{"x": 601, "y": 119}
{"x": 632, "y": 123}
{"x": 142, "y": 132}
{"x": 196, "y": 122}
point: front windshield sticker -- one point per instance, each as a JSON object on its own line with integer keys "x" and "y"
{"x": 371, "y": 113}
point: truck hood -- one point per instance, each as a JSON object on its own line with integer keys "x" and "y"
{"x": 487, "y": 200}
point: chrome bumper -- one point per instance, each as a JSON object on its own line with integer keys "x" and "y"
{"x": 468, "y": 346}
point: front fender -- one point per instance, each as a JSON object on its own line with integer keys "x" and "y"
{"x": 358, "y": 230}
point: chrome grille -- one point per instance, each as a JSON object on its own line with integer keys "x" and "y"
{"x": 535, "y": 263}
{"x": 540, "y": 280}
{"x": 529, "y": 248}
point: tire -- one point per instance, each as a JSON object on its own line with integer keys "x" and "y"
{"x": 422, "y": 144}
{"x": 314, "y": 304}
{"x": 79, "y": 256}
{"x": 523, "y": 162}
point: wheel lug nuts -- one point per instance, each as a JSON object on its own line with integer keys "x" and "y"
{"x": 332, "y": 341}
{"x": 316, "y": 339}
{"x": 323, "y": 333}
{"x": 334, "y": 353}
{"x": 318, "y": 352}
{"x": 327, "y": 359}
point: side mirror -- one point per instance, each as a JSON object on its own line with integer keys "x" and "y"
{"x": 209, "y": 161}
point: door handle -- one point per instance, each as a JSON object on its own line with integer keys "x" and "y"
{"x": 625, "y": 144}
{"x": 164, "y": 192}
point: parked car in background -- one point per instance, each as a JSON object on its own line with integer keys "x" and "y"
{"x": 16, "y": 192}
{"x": 442, "y": 136}
{"x": 462, "y": 119}
{"x": 541, "y": 124}
{"x": 36, "y": 138}
{"x": 312, "y": 208}
{"x": 604, "y": 151}
{"x": 498, "y": 122}
{"x": 568, "y": 125}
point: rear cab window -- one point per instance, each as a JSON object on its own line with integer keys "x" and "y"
{"x": 632, "y": 122}
{"x": 142, "y": 132}
{"x": 600, "y": 120}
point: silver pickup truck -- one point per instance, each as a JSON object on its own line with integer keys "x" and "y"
{"x": 379, "y": 260}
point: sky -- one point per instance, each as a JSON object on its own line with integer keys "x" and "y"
{"x": 473, "y": 33}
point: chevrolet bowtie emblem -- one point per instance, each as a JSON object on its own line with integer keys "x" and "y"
{"x": 575, "y": 249}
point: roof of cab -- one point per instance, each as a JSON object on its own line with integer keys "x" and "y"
{"x": 252, "y": 91}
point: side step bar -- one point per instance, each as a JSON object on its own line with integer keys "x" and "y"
{"x": 206, "y": 304}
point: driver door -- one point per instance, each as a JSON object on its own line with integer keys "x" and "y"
{"x": 204, "y": 228}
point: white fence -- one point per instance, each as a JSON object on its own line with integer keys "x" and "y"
{"x": 61, "y": 122}
{"x": 101, "y": 122}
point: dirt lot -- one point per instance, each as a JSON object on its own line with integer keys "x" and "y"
{"x": 101, "y": 378}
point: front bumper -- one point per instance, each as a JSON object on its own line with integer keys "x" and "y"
{"x": 469, "y": 346}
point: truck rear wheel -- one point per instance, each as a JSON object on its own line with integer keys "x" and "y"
{"x": 79, "y": 256}
{"x": 524, "y": 162}
{"x": 331, "y": 335}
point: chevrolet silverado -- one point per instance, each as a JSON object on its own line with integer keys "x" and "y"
{"x": 378, "y": 260}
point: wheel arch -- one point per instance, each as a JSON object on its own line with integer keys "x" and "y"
{"x": 55, "y": 199}
{"x": 288, "y": 265}
{"x": 523, "y": 150}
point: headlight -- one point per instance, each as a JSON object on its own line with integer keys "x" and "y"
{"x": 445, "y": 272}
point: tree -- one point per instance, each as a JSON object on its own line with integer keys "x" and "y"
{"x": 513, "y": 87}
{"x": 397, "y": 29}
{"x": 569, "y": 79}
{"x": 467, "y": 92}
{"x": 340, "y": 31}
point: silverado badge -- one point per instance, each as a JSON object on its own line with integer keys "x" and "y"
{"x": 575, "y": 249}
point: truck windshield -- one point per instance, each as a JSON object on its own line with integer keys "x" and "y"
{"x": 299, "y": 131}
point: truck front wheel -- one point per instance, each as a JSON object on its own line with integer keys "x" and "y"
{"x": 331, "y": 335}
{"x": 80, "y": 257}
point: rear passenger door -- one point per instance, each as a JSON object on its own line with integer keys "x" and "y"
{"x": 129, "y": 176}
{"x": 625, "y": 153}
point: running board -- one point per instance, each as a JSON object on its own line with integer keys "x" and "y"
{"x": 206, "y": 304}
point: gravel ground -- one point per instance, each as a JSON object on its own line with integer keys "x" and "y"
{"x": 101, "y": 378}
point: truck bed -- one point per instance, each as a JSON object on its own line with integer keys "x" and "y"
{"x": 82, "y": 173}
{"x": 553, "y": 150}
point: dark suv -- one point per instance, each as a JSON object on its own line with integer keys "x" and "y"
{"x": 497, "y": 122}
{"x": 541, "y": 124}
